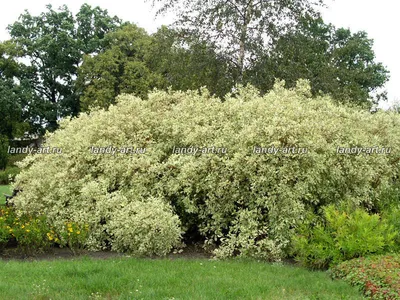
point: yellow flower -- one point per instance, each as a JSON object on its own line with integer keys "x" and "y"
{"x": 70, "y": 230}
{"x": 69, "y": 225}
{"x": 27, "y": 230}
{"x": 23, "y": 226}
{"x": 78, "y": 232}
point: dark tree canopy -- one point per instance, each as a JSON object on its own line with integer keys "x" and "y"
{"x": 189, "y": 62}
{"x": 13, "y": 95}
{"x": 53, "y": 43}
{"x": 134, "y": 62}
{"x": 335, "y": 60}
{"x": 119, "y": 68}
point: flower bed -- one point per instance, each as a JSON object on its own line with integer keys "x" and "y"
{"x": 33, "y": 234}
{"x": 378, "y": 276}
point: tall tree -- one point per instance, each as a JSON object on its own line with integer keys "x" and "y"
{"x": 241, "y": 29}
{"x": 134, "y": 62}
{"x": 119, "y": 68}
{"x": 336, "y": 61}
{"x": 189, "y": 63}
{"x": 53, "y": 44}
{"x": 13, "y": 95}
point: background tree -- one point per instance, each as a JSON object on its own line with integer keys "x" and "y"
{"x": 11, "y": 102}
{"x": 134, "y": 62}
{"x": 53, "y": 45}
{"x": 119, "y": 68}
{"x": 10, "y": 95}
{"x": 336, "y": 61}
{"x": 240, "y": 29}
{"x": 188, "y": 63}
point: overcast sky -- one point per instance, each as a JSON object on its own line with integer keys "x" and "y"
{"x": 379, "y": 19}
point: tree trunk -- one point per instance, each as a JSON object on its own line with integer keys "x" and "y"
{"x": 242, "y": 52}
{"x": 243, "y": 37}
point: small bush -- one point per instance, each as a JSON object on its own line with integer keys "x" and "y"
{"x": 392, "y": 216}
{"x": 33, "y": 233}
{"x": 5, "y": 232}
{"x": 30, "y": 232}
{"x": 145, "y": 228}
{"x": 343, "y": 235}
{"x": 378, "y": 276}
{"x": 73, "y": 235}
{"x": 7, "y": 219}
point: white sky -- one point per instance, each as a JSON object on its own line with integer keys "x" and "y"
{"x": 380, "y": 19}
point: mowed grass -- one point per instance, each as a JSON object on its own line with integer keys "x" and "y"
{"x": 4, "y": 189}
{"x": 131, "y": 278}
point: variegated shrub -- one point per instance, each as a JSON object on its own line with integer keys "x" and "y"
{"x": 241, "y": 202}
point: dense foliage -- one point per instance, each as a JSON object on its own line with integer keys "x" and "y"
{"x": 377, "y": 276}
{"x": 51, "y": 46}
{"x": 240, "y": 202}
{"x": 33, "y": 234}
{"x": 241, "y": 29}
{"x": 342, "y": 235}
{"x": 135, "y": 62}
{"x": 57, "y": 64}
{"x": 144, "y": 228}
{"x": 337, "y": 62}
{"x": 119, "y": 68}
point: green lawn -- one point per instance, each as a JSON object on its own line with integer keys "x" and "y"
{"x": 4, "y": 189}
{"x": 129, "y": 278}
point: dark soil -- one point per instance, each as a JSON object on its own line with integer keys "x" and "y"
{"x": 194, "y": 251}
{"x": 13, "y": 253}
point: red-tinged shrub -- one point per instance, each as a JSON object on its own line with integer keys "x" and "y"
{"x": 377, "y": 276}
